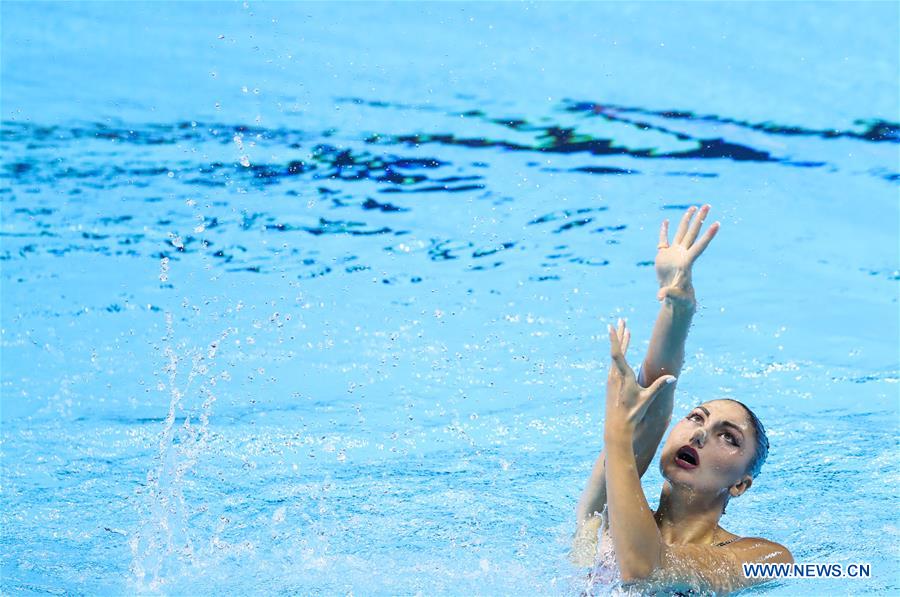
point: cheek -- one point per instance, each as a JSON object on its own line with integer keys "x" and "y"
{"x": 680, "y": 433}
{"x": 676, "y": 439}
{"x": 729, "y": 461}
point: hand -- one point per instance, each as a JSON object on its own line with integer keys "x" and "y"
{"x": 674, "y": 262}
{"x": 626, "y": 400}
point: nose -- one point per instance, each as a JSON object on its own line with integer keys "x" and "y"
{"x": 699, "y": 436}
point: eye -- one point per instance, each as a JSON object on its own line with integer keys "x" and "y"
{"x": 730, "y": 438}
{"x": 695, "y": 417}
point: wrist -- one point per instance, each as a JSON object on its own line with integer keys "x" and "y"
{"x": 685, "y": 287}
{"x": 618, "y": 435}
{"x": 686, "y": 306}
{"x": 681, "y": 299}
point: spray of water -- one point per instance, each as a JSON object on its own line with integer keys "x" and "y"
{"x": 162, "y": 547}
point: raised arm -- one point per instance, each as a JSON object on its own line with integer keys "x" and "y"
{"x": 636, "y": 539}
{"x": 665, "y": 356}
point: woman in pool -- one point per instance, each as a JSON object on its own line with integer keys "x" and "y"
{"x": 711, "y": 455}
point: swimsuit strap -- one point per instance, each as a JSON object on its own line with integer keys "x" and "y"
{"x": 732, "y": 540}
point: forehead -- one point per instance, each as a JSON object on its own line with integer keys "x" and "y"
{"x": 729, "y": 411}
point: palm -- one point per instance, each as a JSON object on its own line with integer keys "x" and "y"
{"x": 626, "y": 399}
{"x": 674, "y": 261}
{"x": 671, "y": 263}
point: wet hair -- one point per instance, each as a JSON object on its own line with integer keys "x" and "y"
{"x": 762, "y": 445}
{"x": 762, "y": 441}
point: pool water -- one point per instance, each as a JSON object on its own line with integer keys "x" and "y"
{"x": 312, "y": 298}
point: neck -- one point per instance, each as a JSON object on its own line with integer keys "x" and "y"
{"x": 686, "y": 517}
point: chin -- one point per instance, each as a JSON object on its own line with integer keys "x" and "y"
{"x": 676, "y": 475}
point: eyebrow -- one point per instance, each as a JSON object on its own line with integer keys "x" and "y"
{"x": 733, "y": 426}
{"x": 724, "y": 423}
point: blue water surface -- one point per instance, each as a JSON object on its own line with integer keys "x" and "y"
{"x": 312, "y": 298}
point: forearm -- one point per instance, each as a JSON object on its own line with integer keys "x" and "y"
{"x": 593, "y": 498}
{"x": 635, "y": 536}
{"x": 673, "y": 264}
{"x": 665, "y": 355}
{"x": 591, "y": 504}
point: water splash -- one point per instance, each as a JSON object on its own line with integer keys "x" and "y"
{"x": 163, "y": 547}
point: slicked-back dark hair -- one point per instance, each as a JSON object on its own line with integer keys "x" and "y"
{"x": 762, "y": 441}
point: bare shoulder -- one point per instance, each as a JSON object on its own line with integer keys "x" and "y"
{"x": 757, "y": 549}
{"x": 720, "y": 568}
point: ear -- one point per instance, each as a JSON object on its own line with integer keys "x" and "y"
{"x": 741, "y": 486}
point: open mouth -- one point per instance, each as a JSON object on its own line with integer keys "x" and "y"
{"x": 687, "y": 457}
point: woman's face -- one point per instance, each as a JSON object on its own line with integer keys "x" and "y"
{"x": 710, "y": 449}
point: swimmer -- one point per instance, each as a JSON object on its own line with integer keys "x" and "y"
{"x": 711, "y": 456}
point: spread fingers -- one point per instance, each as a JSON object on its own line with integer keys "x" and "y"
{"x": 694, "y": 229}
{"x": 683, "y": 225}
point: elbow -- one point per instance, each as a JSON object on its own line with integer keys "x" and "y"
{"x": 639, "y": 567}
{"x": 636, "y": 572}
